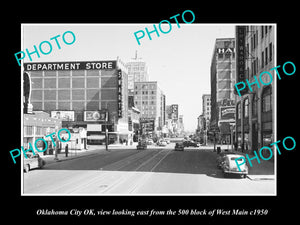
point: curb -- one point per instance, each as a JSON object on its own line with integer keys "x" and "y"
{"x": 261, "y": 177}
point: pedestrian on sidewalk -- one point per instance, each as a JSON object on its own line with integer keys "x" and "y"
{"x": 66, "y": 150}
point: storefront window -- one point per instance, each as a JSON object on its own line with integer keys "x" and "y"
{"x": 267, "y": 99}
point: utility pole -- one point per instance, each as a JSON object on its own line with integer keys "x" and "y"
{"x": 106, "y": 130}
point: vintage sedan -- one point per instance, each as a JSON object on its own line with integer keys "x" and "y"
{"x": 190, "y": 144}
{"x": 230, "y": 167}
{"x": 221, "y": 158}
{"x": 32, "y": 161}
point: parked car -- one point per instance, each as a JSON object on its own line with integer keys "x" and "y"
{"x": 190, "y": 143}
{"x": 230, "y": 167}
{"x": 142, "y": 144}
{"x": 179, "y": 146}
{"x": 221, "y": 158}
{"x": 32, "y": 161}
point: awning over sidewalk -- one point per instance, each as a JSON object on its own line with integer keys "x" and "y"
{"x": 96, "y": 137}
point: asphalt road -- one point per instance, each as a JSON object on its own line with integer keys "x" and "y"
{"x": 157, "y": 171}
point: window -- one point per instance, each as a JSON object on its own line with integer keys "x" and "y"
{"x": 262, "y": 32}
{"x": 267, "y": 99}
{"x": 270, "y": 51}
{"x": 262, "y": 59}
{"x": 246, "y": 108}
{"x": 239, "y": 111}
{"x": 254, "y": 105}
{"x": 28, "y": 130}
{"x": 50, "y": 83}
{"x": 266, "y": 52}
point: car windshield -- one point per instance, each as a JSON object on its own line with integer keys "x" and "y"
{"x": 238, "y": 158}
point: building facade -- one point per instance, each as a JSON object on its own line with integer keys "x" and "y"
{"x": 206, "y": 108}
{"x": 89, "y": 95}
{"x": 172, "y": 120}
{"x": 38, "y": 125}
{"x": 151, "y": 102}
{"x": 223, "y": 77}
{"x": 255, "y": 109}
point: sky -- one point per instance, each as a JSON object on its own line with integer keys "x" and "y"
{"x": 179, "y": 60}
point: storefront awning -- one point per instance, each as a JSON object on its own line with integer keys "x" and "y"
{"x": 96, "y": 137}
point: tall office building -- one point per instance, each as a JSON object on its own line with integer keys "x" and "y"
{"x": 137, "y": 72}
{"x": 222, "y": 88}
{"x": 151, "y": 101}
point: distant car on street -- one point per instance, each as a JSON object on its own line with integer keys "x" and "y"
{"x": 142, "y": 144}
{"x": 162, "y": 143}
{"x": 32, "y": 161}
{"x": 150, "y": 142}
{"x": 190, "y": 144}
{"x": 230, "y": 167}
{"x": 179, "y": 146}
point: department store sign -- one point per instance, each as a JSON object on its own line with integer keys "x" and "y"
{"x": 92, "y": 65}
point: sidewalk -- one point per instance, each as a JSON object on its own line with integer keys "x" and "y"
{"x": 73, "y": 153}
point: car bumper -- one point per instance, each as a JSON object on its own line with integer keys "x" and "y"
{"x": 235, "y": 172}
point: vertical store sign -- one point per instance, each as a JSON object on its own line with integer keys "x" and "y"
{"x": 120, "y": 103}
{"x": 241, "y": 57}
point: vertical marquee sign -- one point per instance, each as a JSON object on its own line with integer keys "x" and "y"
{"x": 120, "y": 97}
{"x": 240, "y": 57}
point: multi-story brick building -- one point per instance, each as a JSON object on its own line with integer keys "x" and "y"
{"x": 151, "y": 102}
{"x": 255, "y": 115}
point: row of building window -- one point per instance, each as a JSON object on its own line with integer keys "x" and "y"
{"x": 145, "y": 102}
{"x": 73, "y": 94}
{"x": 254, "y": 36}
{"x": 145, "y": 92}
{"x": 266, "y": 57}
{"x": 266, "y": 104}
{"x": 89, "y": 82}
{"x": 73, "y": 105}
{"x": 70, "y": 73}
{"x": 29, "y": 130}
{"x": 145, "y": 86}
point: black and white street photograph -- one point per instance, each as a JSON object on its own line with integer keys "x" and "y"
{"x": 171, "y": 108}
